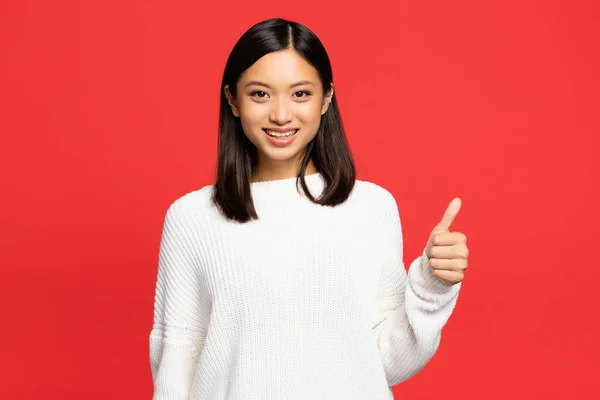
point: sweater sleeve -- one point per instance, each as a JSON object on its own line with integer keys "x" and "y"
{"x": 177, "y": 332}
{"x": 411, "y": 308}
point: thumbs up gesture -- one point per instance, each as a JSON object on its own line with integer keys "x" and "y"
{"x": 447, "y": 251}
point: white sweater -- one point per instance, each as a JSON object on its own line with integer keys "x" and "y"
{"x": 309, "y": 302}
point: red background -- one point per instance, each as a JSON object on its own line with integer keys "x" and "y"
{"x": 109, "y": 113}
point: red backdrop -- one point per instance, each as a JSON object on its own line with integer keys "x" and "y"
{"x": 109, "y": 113}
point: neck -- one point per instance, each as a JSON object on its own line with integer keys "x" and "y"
{"x": 269, "y": 174}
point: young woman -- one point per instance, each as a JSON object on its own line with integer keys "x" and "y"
{"x": 284, "y": 279}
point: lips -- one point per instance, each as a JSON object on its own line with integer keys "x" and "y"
{"x": 280, "y": 133}
{"x": 280, "y": 130}
{"x": 281, "y": 141}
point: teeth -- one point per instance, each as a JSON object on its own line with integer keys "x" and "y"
{"x": 280, "y": 134}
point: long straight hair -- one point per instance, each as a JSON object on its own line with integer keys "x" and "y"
{"x": 237, "y": 156}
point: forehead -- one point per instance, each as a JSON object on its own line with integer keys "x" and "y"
{"x": 281, "y": 67}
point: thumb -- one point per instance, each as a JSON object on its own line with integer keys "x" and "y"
{"x": 449, "y": 215}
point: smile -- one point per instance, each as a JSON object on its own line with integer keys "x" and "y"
{"x": 280, "y": 134}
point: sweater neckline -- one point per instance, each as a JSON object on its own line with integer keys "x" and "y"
{"x": 286, "y": 186}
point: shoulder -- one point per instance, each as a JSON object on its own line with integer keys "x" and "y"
{"x": 375, "y": 195}
{"x": 191, "y": 204}
{"x": 381, "y": 207}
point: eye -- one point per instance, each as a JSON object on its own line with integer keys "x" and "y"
{"x": 303, "y": 91}
{"x": 258, "y": 92}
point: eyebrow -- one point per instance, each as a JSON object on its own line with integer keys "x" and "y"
{"x": 293, "y": 85}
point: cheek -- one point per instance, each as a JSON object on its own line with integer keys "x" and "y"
{"x": 252, "y": 115}
{"x": 251, "y": 111}
{"x": 310, "y": 113}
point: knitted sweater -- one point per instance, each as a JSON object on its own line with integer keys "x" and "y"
{"x": 309, "y": 302}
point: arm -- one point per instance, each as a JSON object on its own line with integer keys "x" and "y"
{"x": 177, "y": 332}
{"x": 412, "y": 308}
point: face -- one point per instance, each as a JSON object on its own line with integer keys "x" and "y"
{"x": 280, "y": 92}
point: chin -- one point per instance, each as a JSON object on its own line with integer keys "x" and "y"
{"x": 281, "y": 154}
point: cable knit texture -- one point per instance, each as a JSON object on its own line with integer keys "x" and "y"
{"x": 308, "y": 302}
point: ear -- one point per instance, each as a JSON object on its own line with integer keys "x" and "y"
{"x": 327, "y": 100}
{"x": 231, "y": 101}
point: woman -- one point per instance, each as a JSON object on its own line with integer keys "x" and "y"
{"x": 284, "y": 279}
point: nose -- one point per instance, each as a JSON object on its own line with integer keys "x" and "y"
{"x": 281, "y": 112}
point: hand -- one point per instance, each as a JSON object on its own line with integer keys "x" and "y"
{"x": 447, "y": 251}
